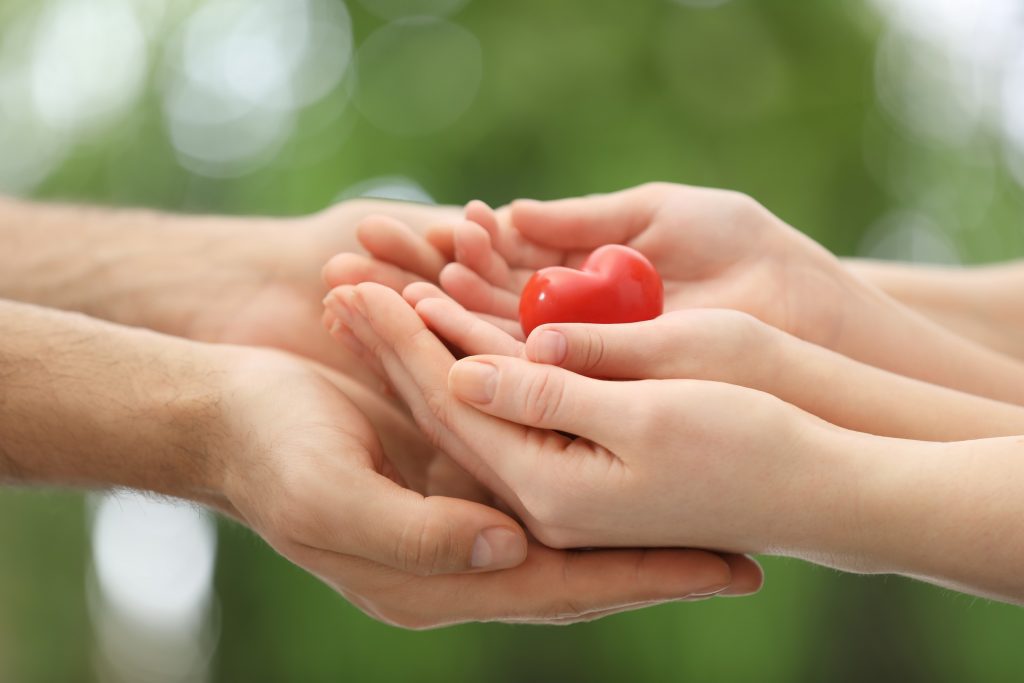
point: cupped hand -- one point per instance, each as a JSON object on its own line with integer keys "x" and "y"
{"x": 713, "y": 248}
{"x": 539, "y": 473}
{"x": 257, "y": 282}
{"x": 303, "y": 465}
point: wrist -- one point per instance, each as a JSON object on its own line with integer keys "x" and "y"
{"x": 858, "y": 514}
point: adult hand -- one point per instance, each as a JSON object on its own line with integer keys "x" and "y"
{"x": 258, "y": 281}
{"x": 725, "y": 345}
{"x": 309, "y": 473}
{"x": 716, "y": 249}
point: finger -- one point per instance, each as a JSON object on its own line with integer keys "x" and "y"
{"x": 541, "y": 396}
{"x": 466, "y": 330}
{"x": 491, "y": 450}
{"x": 442, "y": 238}
{"x": 700, "y": 343}
{"x": 476, "y": 294}
{"x": 350, "y": 269}
{"x": 647, "y": 349}
{"x": 391, "y": 241}
{"x": 418, "y": 291}
{"x": 747, "y": 575}
{"x": 381, "y": 521}
{"x": 587, "y": 222}
{"x": 551, "y": 586}
{"x": 483, "y": 215}
{"x": 338, "y": 318}
{"x": 473, "y": 249}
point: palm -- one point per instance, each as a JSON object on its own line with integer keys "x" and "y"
{"x": 724, "y": 253}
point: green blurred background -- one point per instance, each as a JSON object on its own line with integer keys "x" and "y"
{"x": 891, "y": 129}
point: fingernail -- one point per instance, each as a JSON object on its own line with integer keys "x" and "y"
{"x": 356, "y": 302}
{"x": 336, "y": 306}
{"x": 497, "y": 547}
{"x": 549, "y": 347}
{"x": 708, "y": 591}
{"x": 473, "y": 381}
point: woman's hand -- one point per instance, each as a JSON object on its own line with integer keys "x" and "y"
{"x": 537, "y": 472}
{"x": 703, "y": 463}
{"x": 713, "y": 249}
{"x": 725, "y": 345}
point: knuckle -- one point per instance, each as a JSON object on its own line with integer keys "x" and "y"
{"x": 425, "y": 546}
{"x": 551, "y": 518}
{"x": 592, "y": 351}
{"x": 543, "y": 397}
{"x": 744, "y": 207}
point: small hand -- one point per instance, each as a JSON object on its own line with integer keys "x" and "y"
{"x": 526, "y": 467}
{"x": 713, "y": 248}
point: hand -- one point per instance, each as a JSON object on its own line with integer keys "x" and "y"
{"x": 704, "y": 463}
{"x": 257, "y": 282}
{"x": 720, "y": 250}
{"x": 712, "y": 247}
{"x": 305, "y": 468}
{"x": 418, "y": 366}
{"x": 725, "y": 345}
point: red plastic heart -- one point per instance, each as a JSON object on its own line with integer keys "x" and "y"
{"x": 616, "y": 284}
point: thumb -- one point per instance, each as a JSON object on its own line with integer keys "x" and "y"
{"x": 587, "y": 222}
{"x": 397, "y": 527}
{"x": 539, "y": 395}
{"x": 641, "y": 350}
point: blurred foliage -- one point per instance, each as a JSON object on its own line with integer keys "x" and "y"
{"x": 772, "y": 98}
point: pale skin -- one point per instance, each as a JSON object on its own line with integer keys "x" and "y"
{"x": 982, "y": 303}
{"x": 334, "y": 477}
{"x": 696, "y": 343}
{"x": 725, "y": 345}
{"x": 713, "y": 249}
{"x": 667, "y": 460}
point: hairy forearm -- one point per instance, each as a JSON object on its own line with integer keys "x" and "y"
{"x": 949, "y": 513}
{"x": 134, "y": 267}
{"x": 980, "y": 303}
{"x": 87, "y": 403}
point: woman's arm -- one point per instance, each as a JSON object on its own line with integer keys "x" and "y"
{"x": 729, "y": 346}
{"x": 715, "y": 249}
{"x": 704, "y": 464}
{"x": 984, "y": 303}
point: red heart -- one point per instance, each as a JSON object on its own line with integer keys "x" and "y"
{"x": 615, "y": 285}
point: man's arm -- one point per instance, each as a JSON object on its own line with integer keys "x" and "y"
{"x": 253, "y": 281}
{"x": 287, "y": 448}
{"x": 84, "y": 403}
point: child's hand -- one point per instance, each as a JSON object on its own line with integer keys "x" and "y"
{"x": 724, "y": 345}
{"x": 658, "y": 464}
{"x": 698, "y": 462}
{"x": 723, "y": 250}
